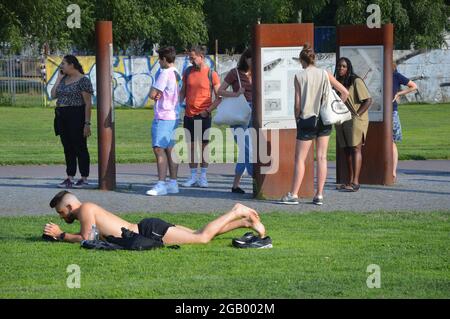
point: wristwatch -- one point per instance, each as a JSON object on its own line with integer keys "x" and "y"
{"x": 87, "y": 123}
{"x": 62, "y": 236}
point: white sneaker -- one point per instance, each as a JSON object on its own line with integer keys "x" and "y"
{"x": 203, "y": 182}
{"x": 158, "y": 190}
{"x": 172, "y": 188}
{"x": 191, "y": 182}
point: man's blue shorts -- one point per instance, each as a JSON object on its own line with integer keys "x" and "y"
{"x": 163, "y": 133}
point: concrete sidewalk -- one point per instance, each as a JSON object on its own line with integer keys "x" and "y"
{"x": 27, "y": 190}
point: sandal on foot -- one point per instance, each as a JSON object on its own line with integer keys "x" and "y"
{"x": 353, "y": 187}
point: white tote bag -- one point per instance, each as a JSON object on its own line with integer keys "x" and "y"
{"x": 333, "y": 110}
{"x": 233, "y": 110}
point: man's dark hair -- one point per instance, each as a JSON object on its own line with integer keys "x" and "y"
{"x": 169, "y": 53}
{"x": 58, "y": 198}
{"x": 199, "y": 49}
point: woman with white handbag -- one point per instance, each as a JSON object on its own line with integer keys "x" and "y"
{"x": 239, "y": 104}
{"x": 311, "y": 86}
{"x": 351, "y": 135}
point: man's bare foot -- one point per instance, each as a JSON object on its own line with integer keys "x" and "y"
{"x": 243, "y": 211}
{"x": 256, "y": 224}
{"x": 251, "y": 216}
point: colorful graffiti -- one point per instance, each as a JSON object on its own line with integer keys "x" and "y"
{"x": 133, "y": 76}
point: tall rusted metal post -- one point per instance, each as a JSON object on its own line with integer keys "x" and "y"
{"x": 275, "y": 185}
{"x": 377, "y": 152}
{"x": 105, "y": 107}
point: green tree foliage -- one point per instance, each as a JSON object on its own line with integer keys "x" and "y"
{"x": 231, "y": 21}
{"x": 418, "y": 23}
{"x": 182, "y": 23}
{"x": 133, "y": 21}
{"x": 138, "y": 24}
{"x": 33, "y": 22}
{"x": 315, "y": 11}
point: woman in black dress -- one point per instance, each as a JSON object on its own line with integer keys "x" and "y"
{"x": 73, "y": 91}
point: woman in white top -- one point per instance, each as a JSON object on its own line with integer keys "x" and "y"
{"x": 310, "y": 85}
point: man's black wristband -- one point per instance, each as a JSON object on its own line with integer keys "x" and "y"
{"x": 62, "y": 236}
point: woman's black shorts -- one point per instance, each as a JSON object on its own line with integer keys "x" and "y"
{"x": 309, "y": 134}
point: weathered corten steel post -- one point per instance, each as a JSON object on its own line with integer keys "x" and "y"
{"x": 275, "y": 185}
{"x": 377, "y": 152}
{"x": 105, "y": 107}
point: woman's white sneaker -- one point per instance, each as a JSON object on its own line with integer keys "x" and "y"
{"x": 289, "y": 199}
{"x": 191, "y": 182}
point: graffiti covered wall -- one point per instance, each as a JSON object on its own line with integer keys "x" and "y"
{"x": 133, "y": 76}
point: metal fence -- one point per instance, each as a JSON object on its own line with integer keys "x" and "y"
{"x": 22, "y": 81}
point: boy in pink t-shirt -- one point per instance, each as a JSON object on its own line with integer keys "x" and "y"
{"x": 165, "y": 93}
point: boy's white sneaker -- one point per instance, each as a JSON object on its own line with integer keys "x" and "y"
{"x": 203, "y": 182}
{"x": 172, "y": 188}
{"x": 158, "y": 190}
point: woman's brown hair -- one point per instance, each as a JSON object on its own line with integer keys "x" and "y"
{"x": 308, "y": 55}
{"x": 242, "y": 64}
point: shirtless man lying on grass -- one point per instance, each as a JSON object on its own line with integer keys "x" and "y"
{"x": 70, "y": 209}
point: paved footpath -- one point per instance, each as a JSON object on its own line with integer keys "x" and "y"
{"x": 27, "y": 190}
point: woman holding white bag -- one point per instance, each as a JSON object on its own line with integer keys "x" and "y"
{"x": 311, "y": 87}
{"x": 240, "y": 79}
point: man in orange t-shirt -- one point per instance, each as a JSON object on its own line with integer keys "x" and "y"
{"x": 198, "y": 83}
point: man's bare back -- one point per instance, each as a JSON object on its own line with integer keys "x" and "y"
{"x": 107, "y": 223}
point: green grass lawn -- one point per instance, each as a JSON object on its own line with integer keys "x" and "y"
{"x": 315, "y": 255}
{"x": 26, "y": 135}
{"x": 426, "y": 132}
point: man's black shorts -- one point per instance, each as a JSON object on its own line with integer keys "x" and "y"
{"x": 153, "y": 227}
{"x": 203, "y": 122}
